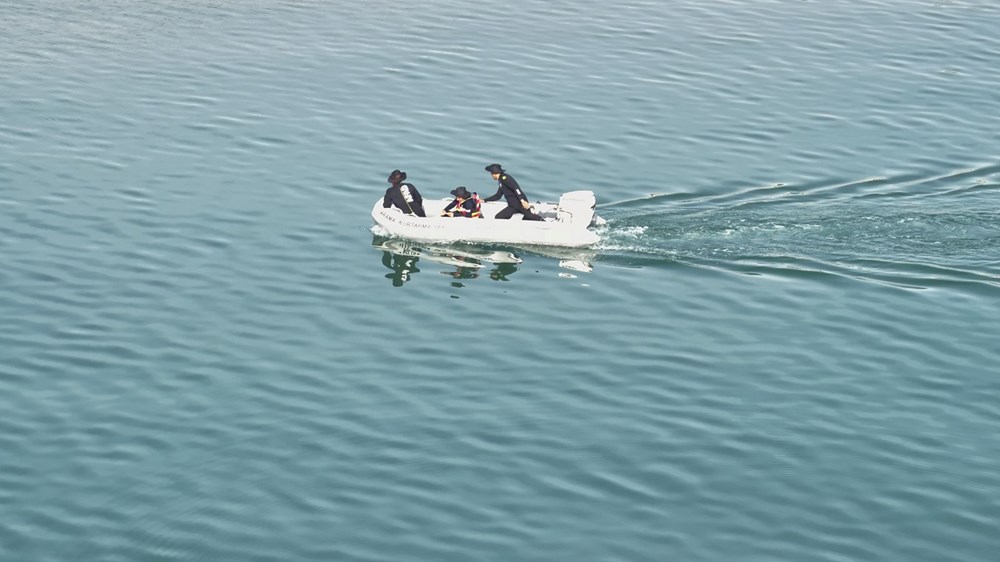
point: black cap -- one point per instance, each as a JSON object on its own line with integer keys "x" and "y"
{"x": 460, "y": 191}
{"x": 494, "y": 169}
{"x": 396, "y": 175}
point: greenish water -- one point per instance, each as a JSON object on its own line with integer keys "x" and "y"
{"x": 784, "y": 348}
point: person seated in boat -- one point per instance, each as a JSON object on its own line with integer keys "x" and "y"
{"x": 465, "y": 204}
{"x": 517, "y": 201}
{"x": 403, "y": 195}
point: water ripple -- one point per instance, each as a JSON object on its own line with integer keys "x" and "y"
{"x": 783, "y": 348}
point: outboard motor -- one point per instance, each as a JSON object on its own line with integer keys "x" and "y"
{"x": 576, "y": 207}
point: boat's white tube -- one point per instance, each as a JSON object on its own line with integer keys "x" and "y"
{"x": 566, "y": 224}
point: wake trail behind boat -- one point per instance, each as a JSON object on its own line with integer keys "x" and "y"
{"x": 914, "y": 232}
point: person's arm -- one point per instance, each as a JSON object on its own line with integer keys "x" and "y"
{"x": 449, "y": 207}
{"x": 387, "y": 201}
{"x": 418, "y": 202}
{"x": 512, "y": 185}
{"x": 496, "y": 196}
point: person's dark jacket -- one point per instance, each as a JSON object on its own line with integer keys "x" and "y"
{"x": 405, "y": 197}
{"x": 509, "y": 190}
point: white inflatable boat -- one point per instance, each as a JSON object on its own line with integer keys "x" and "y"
{"x": 567, "y": 223}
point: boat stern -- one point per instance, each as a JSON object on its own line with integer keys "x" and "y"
{"x": 577, "y": 208}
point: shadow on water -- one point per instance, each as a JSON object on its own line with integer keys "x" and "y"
{"x": 468, "y": 262}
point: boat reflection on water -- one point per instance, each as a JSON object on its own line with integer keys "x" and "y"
{"x": 402, "y": 267}
{"x": 465, "y": 261}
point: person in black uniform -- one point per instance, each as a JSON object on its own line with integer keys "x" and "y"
{"x": 403, "y": 195}
{"x": 465, "y": 204}
{"x": 517, "y": 201}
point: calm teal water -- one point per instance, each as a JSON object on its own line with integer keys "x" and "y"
{"x": 785, "y": 348}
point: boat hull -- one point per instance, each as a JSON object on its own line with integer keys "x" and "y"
{"x": 555, "y": 230}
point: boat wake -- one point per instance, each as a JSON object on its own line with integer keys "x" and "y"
{"x": 909, "y": 232}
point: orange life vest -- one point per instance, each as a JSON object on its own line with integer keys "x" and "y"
{"x": 476, "y": 212}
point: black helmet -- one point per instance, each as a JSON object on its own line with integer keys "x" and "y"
{"x": 494, "y": 169}
{"x": 396, "y": 176}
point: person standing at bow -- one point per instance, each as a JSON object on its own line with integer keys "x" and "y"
{"x": 517, "y": 201}
{"x": 465, "y": 204}
{"x": 403, "y": 195}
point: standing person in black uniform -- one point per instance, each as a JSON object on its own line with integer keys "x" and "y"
{"x": 403, "y": 195}
{"x": 517, "y": 201}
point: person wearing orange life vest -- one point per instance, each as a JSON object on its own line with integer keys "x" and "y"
{"x": 465, "y": 204}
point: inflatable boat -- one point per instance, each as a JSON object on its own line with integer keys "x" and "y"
{"x": 568, "y": 223}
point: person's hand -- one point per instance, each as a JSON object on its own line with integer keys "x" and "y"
{"x": 525, "y": 204}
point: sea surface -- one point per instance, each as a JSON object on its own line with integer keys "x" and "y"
{"x": 785, "y": 347}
